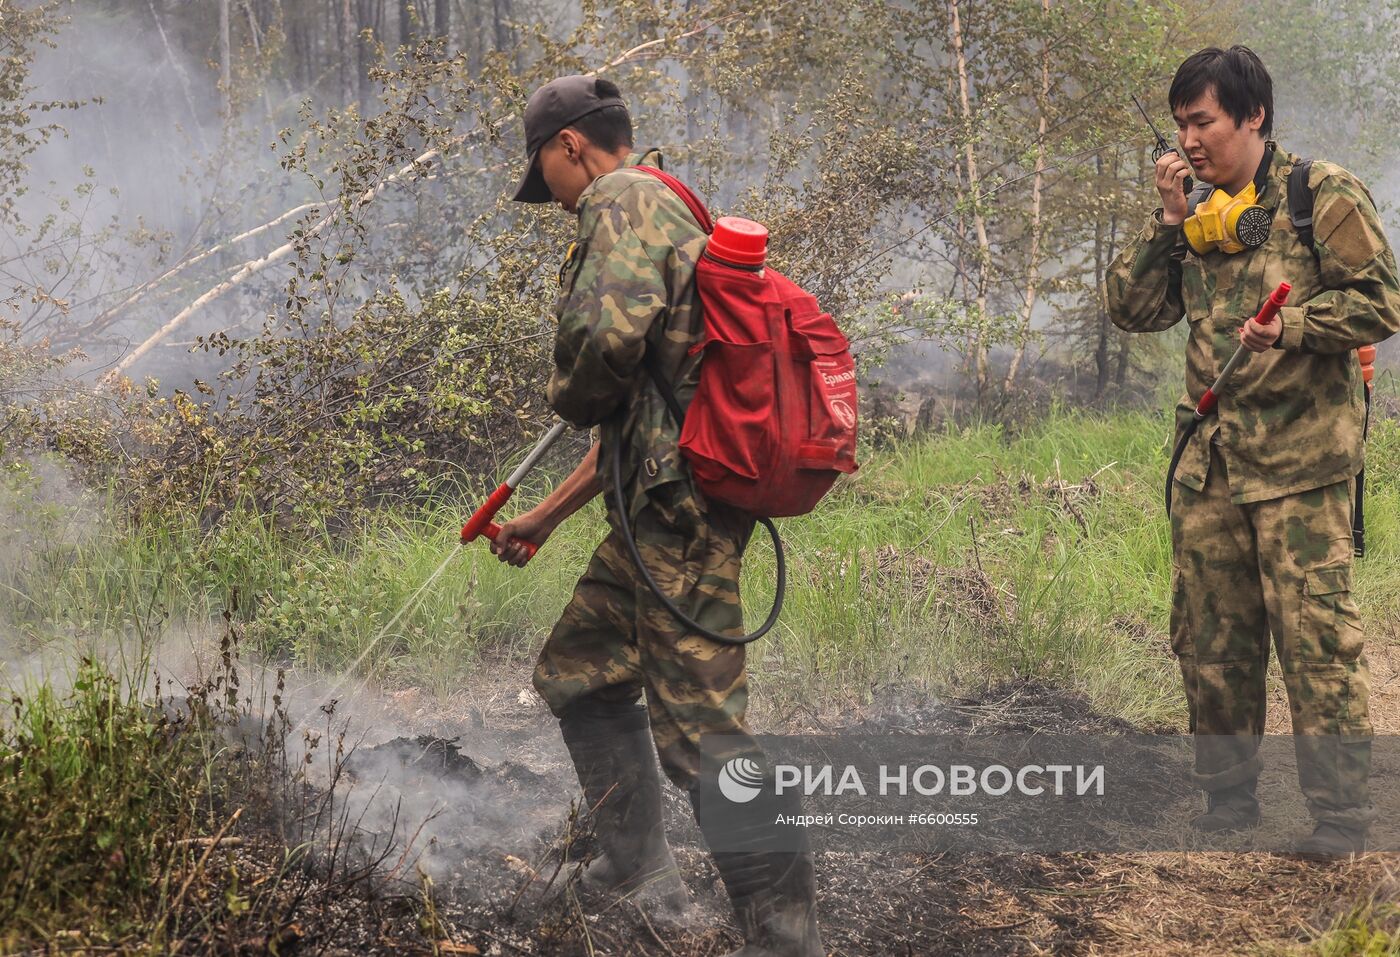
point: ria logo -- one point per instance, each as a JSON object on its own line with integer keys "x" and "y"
{"x": 741, "y": 779}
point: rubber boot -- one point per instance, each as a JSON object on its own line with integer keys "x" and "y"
{"x": 1332, "y": 840}
{"x": 1229, "y": 809}
{"x": 612, "y": 750}
{"x": 1334, "y": 772}
{"x": 766, "y": 869}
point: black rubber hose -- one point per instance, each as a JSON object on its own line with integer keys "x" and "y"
{"x": 1176, "y": 459}
{"x": 671, "y": 606}
{"x": 1358, "y": 517}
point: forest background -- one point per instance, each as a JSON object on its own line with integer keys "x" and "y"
{"x": 367, "y": 311}
{"x": 269, "y": 326}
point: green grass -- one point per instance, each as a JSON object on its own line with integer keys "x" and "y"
{"x": 963, "y": 558}
{"x": 94, "y": 789}
{"x": 1368, "y": 930}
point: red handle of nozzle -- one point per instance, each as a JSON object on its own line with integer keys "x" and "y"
{"x": 1207, "y": 404}
{"x": 1266, "y": 315}
{"x": 480, "y": 523}
{"x": 1273, "y": 304}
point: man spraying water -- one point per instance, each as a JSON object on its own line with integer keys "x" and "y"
{"x": 627, "y": 297}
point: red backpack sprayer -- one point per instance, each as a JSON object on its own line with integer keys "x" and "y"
{"x": 772, "y": 423}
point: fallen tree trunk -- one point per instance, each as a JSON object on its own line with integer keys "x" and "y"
{"x": 109, "y": 316}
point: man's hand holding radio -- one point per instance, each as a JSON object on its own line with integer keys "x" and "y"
{"x": 1171, "y": 172}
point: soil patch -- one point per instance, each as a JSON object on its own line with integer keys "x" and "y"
{"x": 513, "y": 895}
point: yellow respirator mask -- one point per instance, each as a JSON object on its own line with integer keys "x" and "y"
{"x": 1228, "y": 223}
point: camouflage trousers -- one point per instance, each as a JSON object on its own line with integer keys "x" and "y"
{"x": 615, "y": 641}
{"x": 1281, "y": 567}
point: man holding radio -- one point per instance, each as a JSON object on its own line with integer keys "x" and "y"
{"x": 1262, "y": 525}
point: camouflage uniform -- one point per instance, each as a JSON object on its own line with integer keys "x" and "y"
{"x": 627, "y": 290}
{"x": 1261, "y": 528}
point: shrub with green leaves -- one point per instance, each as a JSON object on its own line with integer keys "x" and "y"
{"x": 95, "y": 789}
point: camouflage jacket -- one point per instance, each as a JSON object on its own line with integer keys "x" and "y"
{"x": 1290, "y": 418}
{"x": 626, "y": 290}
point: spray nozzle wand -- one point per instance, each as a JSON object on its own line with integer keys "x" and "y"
{"x": 481, "y": 521}
{"x": 1266, "y": 315}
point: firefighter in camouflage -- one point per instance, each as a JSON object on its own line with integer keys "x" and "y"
{"x": 1261, "y": 526}
{"x": 627, "y": 294}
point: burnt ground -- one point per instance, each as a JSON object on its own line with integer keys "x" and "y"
{"x": 495, "y": 781}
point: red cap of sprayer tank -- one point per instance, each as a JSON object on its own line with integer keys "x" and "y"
{"x": 742, "y": 242}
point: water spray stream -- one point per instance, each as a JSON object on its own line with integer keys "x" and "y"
{"x": 409, "y": 603}
{"x": 479, "y": 524}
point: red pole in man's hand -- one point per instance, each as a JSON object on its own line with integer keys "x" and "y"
{"x": 481, "y": 521}
{"x": 1267, "y": 313}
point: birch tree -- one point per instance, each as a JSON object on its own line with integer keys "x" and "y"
{"x": 1042, "y": 109}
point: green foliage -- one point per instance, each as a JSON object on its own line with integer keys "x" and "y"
{"x": 39, "y": 406}
{"x": 45, "y": 260}
{"x": 95, "y": 788}
{"x": 1336, "y": 78}
{"x": 23, "y": 29}
{"x": 1368, "y": 930}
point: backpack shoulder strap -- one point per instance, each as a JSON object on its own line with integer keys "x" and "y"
{"x": 1198, "y": 196}
{"x": 668, "y": 395}
{"x": 702, "y": 217}
{"x": 692, "y": 202}
{"x": 1300, "y": 203}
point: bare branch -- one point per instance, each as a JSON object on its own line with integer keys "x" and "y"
{"x": 253, "y": 267}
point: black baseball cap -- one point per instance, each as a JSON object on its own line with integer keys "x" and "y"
{"x": 551, "y": 108}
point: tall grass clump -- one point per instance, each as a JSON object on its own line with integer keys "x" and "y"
{"x": 137, "y": 820}
{"x": 1370, "y": 929}
{"x": 96, "y": 790}
{"x": 977, "y": 554}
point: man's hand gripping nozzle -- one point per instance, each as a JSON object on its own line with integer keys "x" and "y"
{"x": 481, "y": 521}
{"x": 1267, "y": 314}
